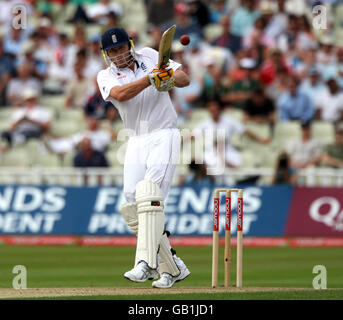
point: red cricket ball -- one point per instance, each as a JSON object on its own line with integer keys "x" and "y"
{"x": 184, "y": 40}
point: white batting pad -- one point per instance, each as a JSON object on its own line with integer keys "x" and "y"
{"x": 129, "y": 213}
{"x": 149, "y": 202}
{"x": 167, "y": 263}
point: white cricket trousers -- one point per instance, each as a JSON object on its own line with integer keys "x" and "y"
{"x": 152, "y": 156}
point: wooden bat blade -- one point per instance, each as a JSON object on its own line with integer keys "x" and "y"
{"x": 165, "y": 47}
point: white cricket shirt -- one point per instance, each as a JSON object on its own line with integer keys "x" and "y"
{"x": 331, "y": 105}
{"x": 148, "y": 111}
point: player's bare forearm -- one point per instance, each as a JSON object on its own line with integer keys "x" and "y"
{"x": 130, "y": 90}
{"x": 181, "y": 79}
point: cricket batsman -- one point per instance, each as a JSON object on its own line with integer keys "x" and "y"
{"x": 139, "y": 91}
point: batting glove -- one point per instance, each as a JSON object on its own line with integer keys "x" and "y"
{"x": 162, "y": 79}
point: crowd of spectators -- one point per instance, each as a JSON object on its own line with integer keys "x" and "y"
{"x": 261, "y": 57}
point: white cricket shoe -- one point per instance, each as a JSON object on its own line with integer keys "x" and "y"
{"x": 167, "y": 280}
{"x": 141, "y": 272}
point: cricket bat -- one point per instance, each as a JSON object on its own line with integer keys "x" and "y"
{"x": 165, "y": 47}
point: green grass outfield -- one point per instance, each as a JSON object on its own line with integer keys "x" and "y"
{"x": 91, "y": 267}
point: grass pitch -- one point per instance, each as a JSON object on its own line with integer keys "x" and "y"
{"x": 95, "y": 267}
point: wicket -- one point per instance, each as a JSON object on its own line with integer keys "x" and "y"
{"x": 227, "y": 250}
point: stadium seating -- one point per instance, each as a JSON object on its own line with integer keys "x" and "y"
{"x": 16, "y": 157}
{"x": 63, "y": 128}
{"x": 71, "y": 114}
{"x": 67, "y": 160}
{"x": 235, "y": 113}
{"x": 249, "y": 159}
{"x": 47, "y": 159}
{"x": 53, "y": 102}
{"x": 5, "y": 113}
{"x": 284, "y": 133}
{"x": 199, "y": 115}
{"x": 33, "y": 148}
{"x": 260, "y": 130}
{"x": 4, "y": 124}
{"x": 323, "y": 131}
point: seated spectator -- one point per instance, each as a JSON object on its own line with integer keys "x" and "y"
{"x": 98, "y": 12}
{"x": 305, "y": 38}
{"x": 39, "y": 67}
{"x": 305, "y": 152}
{"x": 211, "y": 81}
{"x": 79, "y": 40}
{"x": 95, "y": 58}
{"x": 160, "y": 12}
{"x": 256, "y": 35}
{"x": 91, "y": 64}
{"x": 100, "y": 138}
{"x": 184, "y": 23}
{"x": 313, "y": 85}
{"x": 44, "y": 38}
{"x": 155, "y": 34}
{"x": 288, "y": 39}
{"x": 330, "y": 103}
{"x": 89, "y": 157}
{"x": 6, "y": 14}
{"x": 283, "y": 173}
{"x": 199, "y": 12}
{"x": 333, "y": 154}
{"x": 244, "y": 17}
{"x": 195, "y": 55}
{"x": 278, "y": 87}
{"x": 60, "y": 146}
{"x": 277, "y": 25}
{"x": 58, "y": 73}
{"x": 97, "y": 107}
{"x": 178, "y": 53}
{"x": 295, "y": 104}
{"x": 325, "y": 54}
{"x": 7, "y": 70}
{"x": 197, "y": 176}
{"x": 272, "y": 66}
{"x": 227, "y": 39}
{"x": 14, "y": 40}
{"x": 218, "y": 130}
{"x": 218, "y": 11}
{"x": 30, "y": 121}
{"x": 79, "y": 89}
{"x": 113, "y": 20}
{"x": 335, "y": 70}
{"x": 19, "y": 84}
{"x": 303, "y": 61}
{"x": 240, "y": 90}
{"x": 259, "y": 108}
{"x": 184, "y": 99}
